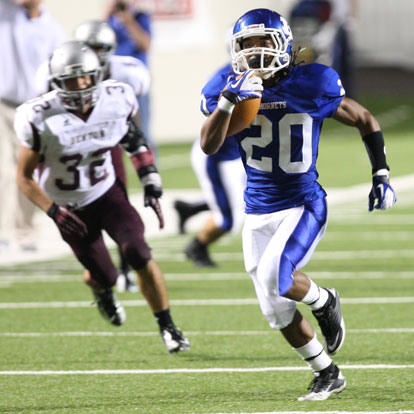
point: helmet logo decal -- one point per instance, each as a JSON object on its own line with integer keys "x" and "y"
{"x": 285, "y": 26}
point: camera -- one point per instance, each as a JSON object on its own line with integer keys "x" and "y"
{"x": 120, "y": 6}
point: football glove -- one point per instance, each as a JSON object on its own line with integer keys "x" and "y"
{"x": 67, "y": 221}
{"x": 382, "y": 192}
{"x": 241, "y": 87}
{"x": 152, "y": 192}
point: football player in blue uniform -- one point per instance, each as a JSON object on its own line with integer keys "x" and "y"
{"x": 222, "y": 179}
{"x": 285, "y": 205}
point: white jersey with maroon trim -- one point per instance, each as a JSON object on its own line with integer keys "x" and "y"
{"x": 76, "y": 161}
{"x": 132, "y": 71}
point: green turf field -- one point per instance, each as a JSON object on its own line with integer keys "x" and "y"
{"x": 59, "y": 356}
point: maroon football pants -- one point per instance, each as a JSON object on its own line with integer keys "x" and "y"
{"x": 113, "y": 213}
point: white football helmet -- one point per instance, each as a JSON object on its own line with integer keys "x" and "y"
{"x": 75, "y": 60}
{"x": 264, "y": 60}
{"x": 99, "y": 36}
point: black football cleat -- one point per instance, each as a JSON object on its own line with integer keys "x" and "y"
{"x": 186, "y": 210}
{"x": 331, "y": 323}
{"x": 198, "y": 254}
{"x": 325, "y": 383}
{"x": 184, "y": 213}
{"x": 174, "y": 340}
{"x": 109, "y": 307}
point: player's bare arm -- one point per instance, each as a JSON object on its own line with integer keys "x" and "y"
{"x": 352, "y": 113}
{"x": 213, "y": 131}
{"x": 27, "y": 162}
{"x": 66, "y": 221}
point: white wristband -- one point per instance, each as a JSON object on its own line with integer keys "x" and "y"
{"x": 151, "y": 179}
{"x": 382, "y": 172}
{"x": 225, "y": 105}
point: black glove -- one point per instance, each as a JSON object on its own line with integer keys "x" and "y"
{"x": 152, "y": 194}
{"x": 66, "y": 221}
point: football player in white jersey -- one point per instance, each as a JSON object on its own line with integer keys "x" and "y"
{"x": 100, "y": 37}
{"x": 285, "y": 205}
{"x": 71, "y": 131}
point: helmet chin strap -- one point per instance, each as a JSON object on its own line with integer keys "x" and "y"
{"x": 265, "y": 75}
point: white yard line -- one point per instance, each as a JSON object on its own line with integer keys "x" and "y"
{"x": 193, "y": 370}
{"x": 318, "y": 255}
{"x": 192, "y": 302}
{"x": 388, "y": 236}
{"x": 188, "y": 333}
{"x": 200, "y": 277}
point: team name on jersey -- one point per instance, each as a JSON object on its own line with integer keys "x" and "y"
{"x": 99, "y": 134}
{"x": 273, "y": 105}
{"x": 99, "y": 131}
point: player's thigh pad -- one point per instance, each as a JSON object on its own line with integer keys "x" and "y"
{"x": 124, "y": 225}
{"x": 93, "y": 255}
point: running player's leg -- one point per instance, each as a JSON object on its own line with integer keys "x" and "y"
{"x": 127, "y": 229}
{"x": 100, "y": 273}
{"x": 271, "y": 256}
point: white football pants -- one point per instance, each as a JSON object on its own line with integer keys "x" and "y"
{"x": 274, "y": 246}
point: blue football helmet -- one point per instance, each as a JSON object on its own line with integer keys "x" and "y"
{"x": 264, "y": 60}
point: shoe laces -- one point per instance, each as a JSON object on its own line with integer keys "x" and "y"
{"x": 174, "y": 332}
{"x": 106, "y": 299}
{"x": 320, "y": 380}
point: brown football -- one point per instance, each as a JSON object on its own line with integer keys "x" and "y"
{"x": 243, "y": 115}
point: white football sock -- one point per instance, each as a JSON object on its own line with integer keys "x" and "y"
{"x": 314, "y": 355}
{"x": 316, "y": 297}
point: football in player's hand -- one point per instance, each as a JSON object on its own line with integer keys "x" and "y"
{"x": 243, "y": 114}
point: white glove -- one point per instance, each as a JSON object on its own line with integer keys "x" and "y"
{"x": 381, "y": 191}
{"x": 243, "y": 87}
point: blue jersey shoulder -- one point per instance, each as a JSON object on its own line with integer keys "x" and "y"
{"x": 317, "y": 80}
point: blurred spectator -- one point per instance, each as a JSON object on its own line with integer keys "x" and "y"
{"x": 323, "y": 29}
{"x": 132, "y": 26}
{"x": 29, "y": 34}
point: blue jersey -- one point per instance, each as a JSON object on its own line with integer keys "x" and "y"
{"x": 280, "y": 148}
{"x": 209, "y": 98}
